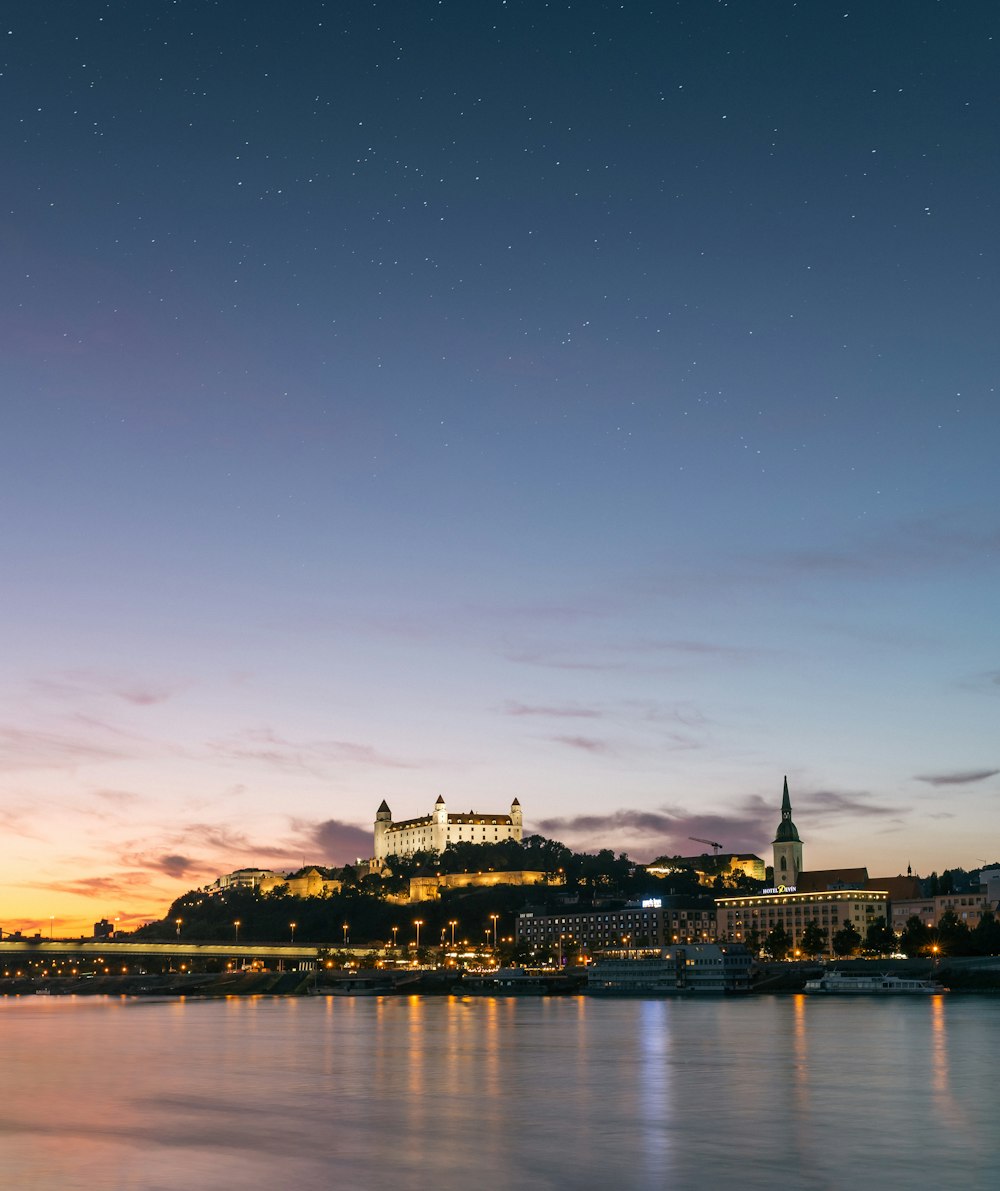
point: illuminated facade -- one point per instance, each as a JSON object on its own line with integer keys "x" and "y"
{"x": 707, "y": 868}
{"x": 424, "y": 889}
{"x": 750, "y": 919}
{"x": 968, "y": 908}
{"x": 434, "y": 832}
{"x": 655, "y": 922}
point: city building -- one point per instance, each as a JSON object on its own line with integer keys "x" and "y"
{"x": 828, "y": 897}
{"x": 241, "y": 878}
{"x": 652, "y": 922}
{"x": 308, "y": 882}
{"x": 968, "y": 908}
{"x": 707, "y": 868}
{"x": 434, "y": 832}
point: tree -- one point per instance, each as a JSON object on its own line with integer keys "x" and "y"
{"x": 814, "y": 939}
{"x": 916, "y": 938}
{"x": 880, "y": 938}
{"x": 846, "y": 940}
{"x": 953, "y": 935}
{"x": 985, "y": 938}
{"x": 778, "y": 942}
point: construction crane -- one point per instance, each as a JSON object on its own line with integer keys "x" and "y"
{"x": 711, "y": 843}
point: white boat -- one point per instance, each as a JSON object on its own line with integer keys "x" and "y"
{"x": 883, "y": 985}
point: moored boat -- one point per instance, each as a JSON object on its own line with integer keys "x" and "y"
{"x": 518, "y": 982}
{"x": 883, "y": 985}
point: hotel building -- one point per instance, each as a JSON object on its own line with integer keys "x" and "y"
{"x": 830, "y": 898}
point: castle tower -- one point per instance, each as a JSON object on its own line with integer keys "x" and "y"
{"x": 516, "y": 821}
{"x": 383, "y": 821}
{"x": 439, "y": 825}
{"x": 787, "y": 845}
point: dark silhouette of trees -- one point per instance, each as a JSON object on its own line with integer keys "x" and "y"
{"x": 846, "y": 940}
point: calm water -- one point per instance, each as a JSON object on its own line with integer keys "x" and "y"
{"x": 443, "y": 1093}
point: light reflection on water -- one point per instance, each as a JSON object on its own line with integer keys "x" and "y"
{"x": 445, "y": 1093}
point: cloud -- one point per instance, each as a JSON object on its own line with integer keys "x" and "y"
{"x": 22, "y": 748}
{"x": 119, "y": 798}
{"x": 523, "y": 709}
{"x": 339, "y": 842}
{"x": 176, "y": 866}
{"x": 117, "y": 886}
{"x": 962, "y": 777}
{"x": 677, "y": 831}
{"x": 835, "y": 804}
{"x": 640, "y": 656}
{"x": 315, "y": 757}
{"x": 85, "y": 683}
{"x": 667, "y": 832}
{"x": 906, "y": 548}
{"x": 587, "y": 744}
{"x": 144, "y": 696}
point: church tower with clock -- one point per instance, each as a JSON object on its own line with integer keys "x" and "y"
{"x": 787, "y": 846}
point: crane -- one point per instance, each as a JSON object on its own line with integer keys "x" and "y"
{"x": 711, "y": 843}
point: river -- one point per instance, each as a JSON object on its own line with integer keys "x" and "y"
{"x": 446, "y": 1093}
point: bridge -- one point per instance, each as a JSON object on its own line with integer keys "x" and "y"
{"x": 114, "y": 950}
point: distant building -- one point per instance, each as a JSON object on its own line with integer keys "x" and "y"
{"x": 434, "y": 832}
{"x": 424, "y": 889}
{"x": 829, "y": 897}
{"x": 968, "y": 908}
{"x": 309, "y": 882}
{"x": 103, "y": 930}
{"x": 242, "y": 878}
{"x": 652, "y": 922}
{"x": 706, "y": 868}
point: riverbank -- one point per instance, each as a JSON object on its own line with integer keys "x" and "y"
{"x": 964, "y": 976}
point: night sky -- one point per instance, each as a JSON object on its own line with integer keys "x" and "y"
{"x": 589, "y": 402}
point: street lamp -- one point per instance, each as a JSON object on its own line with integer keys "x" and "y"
{"x": 177, "y": 923}
{"x": 493, "y": 918}
{"x": 346, "y": 928}
{"x": 236, "y": 924}
{"x": 291, "y": 927}
{"x": 395, "y": 932}
{"x": 418, "y": 923}
{"x": 453, "y": 923}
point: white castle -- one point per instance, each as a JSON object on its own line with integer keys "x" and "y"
{"x": 434, "y": 832}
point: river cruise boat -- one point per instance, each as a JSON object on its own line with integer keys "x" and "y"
{"x": 518, "y": 982}
{"x": 682, "y": 970}
{"x": 884, "y": 985}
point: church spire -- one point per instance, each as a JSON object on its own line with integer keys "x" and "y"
{"x": 787, "y": 830}
{"x": 787, "y": 845}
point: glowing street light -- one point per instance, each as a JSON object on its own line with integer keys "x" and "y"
{"x": 177, "y": 923}
{"x": 453, "y": 923}
{"x": 291, "y": 927}
{"x": 494, "y": 918}
{"x": 346, "y": 929}
{"x": 395, "y": 932}
{"x": 236, "y": 924}
{"x": 418, "y": 923}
